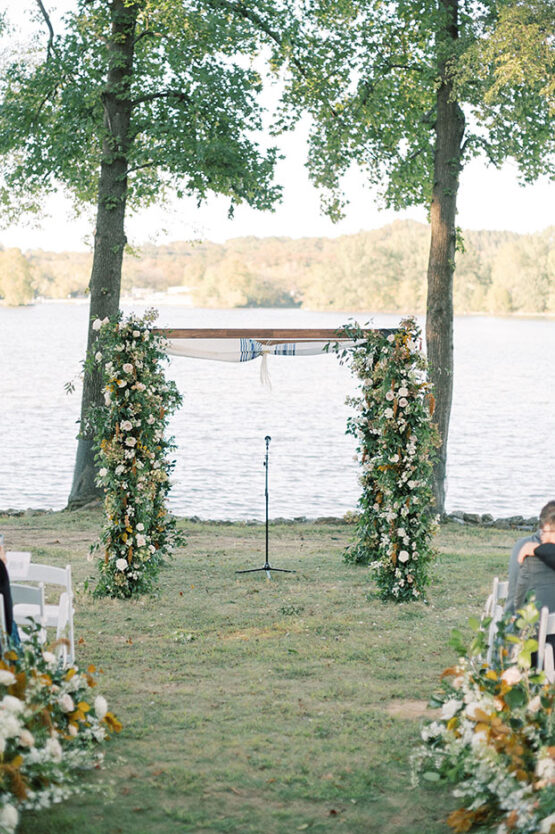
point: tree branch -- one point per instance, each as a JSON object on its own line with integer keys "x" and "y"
{"x": 50, "y": 48}
{"x": 178, "y": 94}
{"x": 246, "y": 13}
{"x": 485, "y": 146}
{"x": 144, "y": 34}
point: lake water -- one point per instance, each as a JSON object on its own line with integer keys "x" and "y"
{"x": 502, "y": 426}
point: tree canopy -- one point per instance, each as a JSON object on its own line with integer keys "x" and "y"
{"x": 191, "y": 88}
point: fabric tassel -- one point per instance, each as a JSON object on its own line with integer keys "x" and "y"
{"x": 264, "y": 372}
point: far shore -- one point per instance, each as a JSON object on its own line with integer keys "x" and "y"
{"x": 173, "y": 300}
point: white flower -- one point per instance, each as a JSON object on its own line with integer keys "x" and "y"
{"x": 26, "y": 739}
{"x": 6, "y": 677}
{"x": 545, "y": 769}
{"x": 141, "y": 540}
{"x": 120, "y": 469}
{"x": 394, "y": 458}
{"x": 403, "y": 392}
{"x": 140, "y": 527}
{"x": 511, "y": 675}
{"x": 54, "y": 749}
{"x": 48, "y": 657}
{"x": 403, "y": 402}
{"x": 535, "y": 704}
{"x": 65, "y": 702}
{"x": 121, "y": 564}
{"x": 121, "y": 383}
{"x": 103, "y": 472}
{"x": 472, "y": 708}
{"x": 100, "y": 707}
{"x": 98, "y": 356}
{"x": 9, "y": 817}
{"x": 547, "y": 824}
{"x": 404, "y": 556}
{"x": 11, "y": 704}
{"x": 479, "y": 738}
{"x": 389, "y": 396}
{"x": 130, "y": 441}
{"x": 401, "y": 531}
{"x": 388, "y": 413}
{"x": 391, "y": 338}
{"x": 97, "y": 324}
{"x": 72, "y": 730}
{"x": 136, "y": 334}
{"x": 128, "y": 368}
{"x": 449, "y": 708}
{"x": 126, "y": 425}
{"x": 107, "y": 398}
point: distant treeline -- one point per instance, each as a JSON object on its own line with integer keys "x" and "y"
{"x": 381, "y": 270}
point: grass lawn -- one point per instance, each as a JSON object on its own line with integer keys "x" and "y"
{"x": 255, "y": 706}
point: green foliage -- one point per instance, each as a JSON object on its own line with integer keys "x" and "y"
{"x": 132, "y": 455}
{"x": 368, "y": 74}
{"x": 16, "y": 278}
{"x": 381, "y": 270}
{"x": 494, "y": 736}
{"x": 52, "y": 728}
{"x": 192, "y": 93}
{"x": 396, "y": 451}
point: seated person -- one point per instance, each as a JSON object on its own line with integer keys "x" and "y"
{"x": 11, "y": 626}
{"x": 547, "y": 522}
{"x": 537, "y": 574}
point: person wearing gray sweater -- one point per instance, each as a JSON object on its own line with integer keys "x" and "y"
{"x": 526, "y": 547}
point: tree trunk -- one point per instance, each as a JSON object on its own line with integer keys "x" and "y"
{"x": 441, "y": 263}
{"x": 109, "y": 236}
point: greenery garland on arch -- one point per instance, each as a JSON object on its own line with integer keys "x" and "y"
{"x": 132, "y": 454}
{"x": 397, "y": 443}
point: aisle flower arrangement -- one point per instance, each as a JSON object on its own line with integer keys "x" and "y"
{"x": 396, "y": 447}
{"x": 132, "y": 454}
{"x": 495, "y": 735}
{"x": 51, "y": 728}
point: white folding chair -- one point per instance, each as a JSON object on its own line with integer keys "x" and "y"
{"x": 59, "y": 615}
{"x": 494, "y": 609}
{"x": 17, "y": 562}
{"x": 28, "y": 607}
{"x": 545, "y": 650}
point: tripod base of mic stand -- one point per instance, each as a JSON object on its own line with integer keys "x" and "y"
{"x": 267, "y": 568}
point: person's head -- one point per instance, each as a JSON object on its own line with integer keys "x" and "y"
{"x": 547, "y": 522}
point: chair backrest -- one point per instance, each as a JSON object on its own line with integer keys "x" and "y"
{"x": 502, "y": 590}
{"x": 18, "y": 562}
{"x": 3, "y": 632}
{"x": 29, "y": 596}
{"x": 49, "y": 574}
{"x": 547, "y": 627}
{"x": 494, "y": 610}
{"x": 549, "y": 663}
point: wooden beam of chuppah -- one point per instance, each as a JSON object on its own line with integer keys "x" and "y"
{"x": 260, "y": 334}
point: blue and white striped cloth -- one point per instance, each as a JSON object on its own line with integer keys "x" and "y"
{"x": 240, "y": 350}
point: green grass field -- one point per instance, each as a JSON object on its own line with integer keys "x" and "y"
{"x": 255, "y": 706}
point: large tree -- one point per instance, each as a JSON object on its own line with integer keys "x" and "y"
{"x": 410, "y": 90}
{"x": 130, "y": 101}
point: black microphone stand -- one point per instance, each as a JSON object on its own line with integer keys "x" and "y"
{"x": 267, "y": 567}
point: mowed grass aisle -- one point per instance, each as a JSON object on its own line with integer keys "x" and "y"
{"x": 254, "y": 706}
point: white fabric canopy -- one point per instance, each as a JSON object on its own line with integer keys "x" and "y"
{"x": 242, "y": 350}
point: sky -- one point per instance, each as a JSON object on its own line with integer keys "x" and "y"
{"x": 488, "y": 199}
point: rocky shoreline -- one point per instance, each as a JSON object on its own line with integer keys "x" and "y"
{"x": 513, "y": 522}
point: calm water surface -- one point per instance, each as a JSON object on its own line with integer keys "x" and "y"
{"x": 500, "y": 455}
